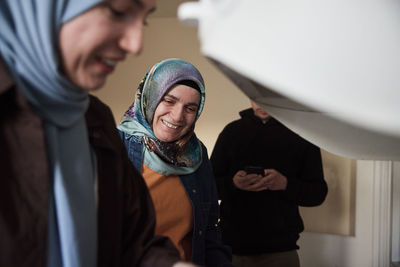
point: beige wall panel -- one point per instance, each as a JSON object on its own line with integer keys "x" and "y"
{"x": 337, "y": 214}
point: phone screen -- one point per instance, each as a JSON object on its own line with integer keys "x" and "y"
{"x": 254, "y": 170}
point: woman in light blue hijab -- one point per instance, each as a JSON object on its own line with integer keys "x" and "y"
{"x": 52, "y": 52}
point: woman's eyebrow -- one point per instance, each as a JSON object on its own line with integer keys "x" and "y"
{"x": 177, "y": 99}
{"x": 192, "y": 104}
{"x": 171, "y": 96}
{"x": 141, "y": 4}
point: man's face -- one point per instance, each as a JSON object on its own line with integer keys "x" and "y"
{"x": 92, "y": 43}
{"x": 258, "y": 111}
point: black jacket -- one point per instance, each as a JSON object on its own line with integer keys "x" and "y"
{"x": 265, "y": 221}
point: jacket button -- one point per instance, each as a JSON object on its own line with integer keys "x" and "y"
{"x": 200, "y": 232}
{"x": 194, "y": 190}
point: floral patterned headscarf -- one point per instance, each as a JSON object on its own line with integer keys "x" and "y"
{"x": 182, "y": 156}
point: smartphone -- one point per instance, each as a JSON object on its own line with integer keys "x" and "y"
{"x": 254, "y": 169}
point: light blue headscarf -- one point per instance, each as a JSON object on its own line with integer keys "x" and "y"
{"x": 165, "y": 158}
{"x": 29, "y": 47}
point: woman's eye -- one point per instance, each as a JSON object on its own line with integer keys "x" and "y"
{"x": 168, "y": 101}
{"x": 191, "y": 109}
{"x": 116, "y": 12}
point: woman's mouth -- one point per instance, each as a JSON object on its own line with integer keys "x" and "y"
{"x": 107, "y": 65}
{"x": 169, "y": 125}
{"x": 109, "y": 62}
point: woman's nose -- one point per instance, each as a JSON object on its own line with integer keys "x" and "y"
{"x": 177, "y": 113}
{"x": 132, "y": 38}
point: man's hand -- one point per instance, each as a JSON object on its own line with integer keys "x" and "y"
{"x": 249, "y": 182}
{"x": 274, "y": 180}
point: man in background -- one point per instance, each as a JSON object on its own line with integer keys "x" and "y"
{"x": 264, "y": 171}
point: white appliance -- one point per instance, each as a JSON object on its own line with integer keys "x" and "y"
{"x": 328, "y": 69}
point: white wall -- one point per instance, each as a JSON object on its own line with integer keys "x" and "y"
{"x": 396, "y": 213}
{"x": 324, "y": 250}
{"x": 370, "y": 247}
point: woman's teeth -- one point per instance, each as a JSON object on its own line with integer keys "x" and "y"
{"x": 109, "y": 62}
{"x": 170, "y": 125}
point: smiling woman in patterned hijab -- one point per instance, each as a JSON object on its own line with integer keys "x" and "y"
{"x": 178, "y": 156}
{"x": 158, "y": 132}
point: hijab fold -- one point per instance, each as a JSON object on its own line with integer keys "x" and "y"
{"x": 29, "y": 47}
{"x": 181, "y": 156}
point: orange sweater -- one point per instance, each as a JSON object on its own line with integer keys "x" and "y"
{"x": 174, "y": 214}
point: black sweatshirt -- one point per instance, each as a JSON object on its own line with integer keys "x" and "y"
{"x": 265, "y": 221}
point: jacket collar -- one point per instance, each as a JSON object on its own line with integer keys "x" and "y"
{"x": 98, "y": 121}
{"x": 95, "y": 123}
{"x": 92, "y": 118}
{"x": 249, "y": 114}
{"x": 5, "y": 78}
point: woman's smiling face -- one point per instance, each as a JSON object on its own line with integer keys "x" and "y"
{"x": 92, "y": 43}
{"x": 176, "y": 113}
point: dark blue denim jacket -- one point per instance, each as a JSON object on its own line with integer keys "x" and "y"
{"x": 207, "y": 247}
